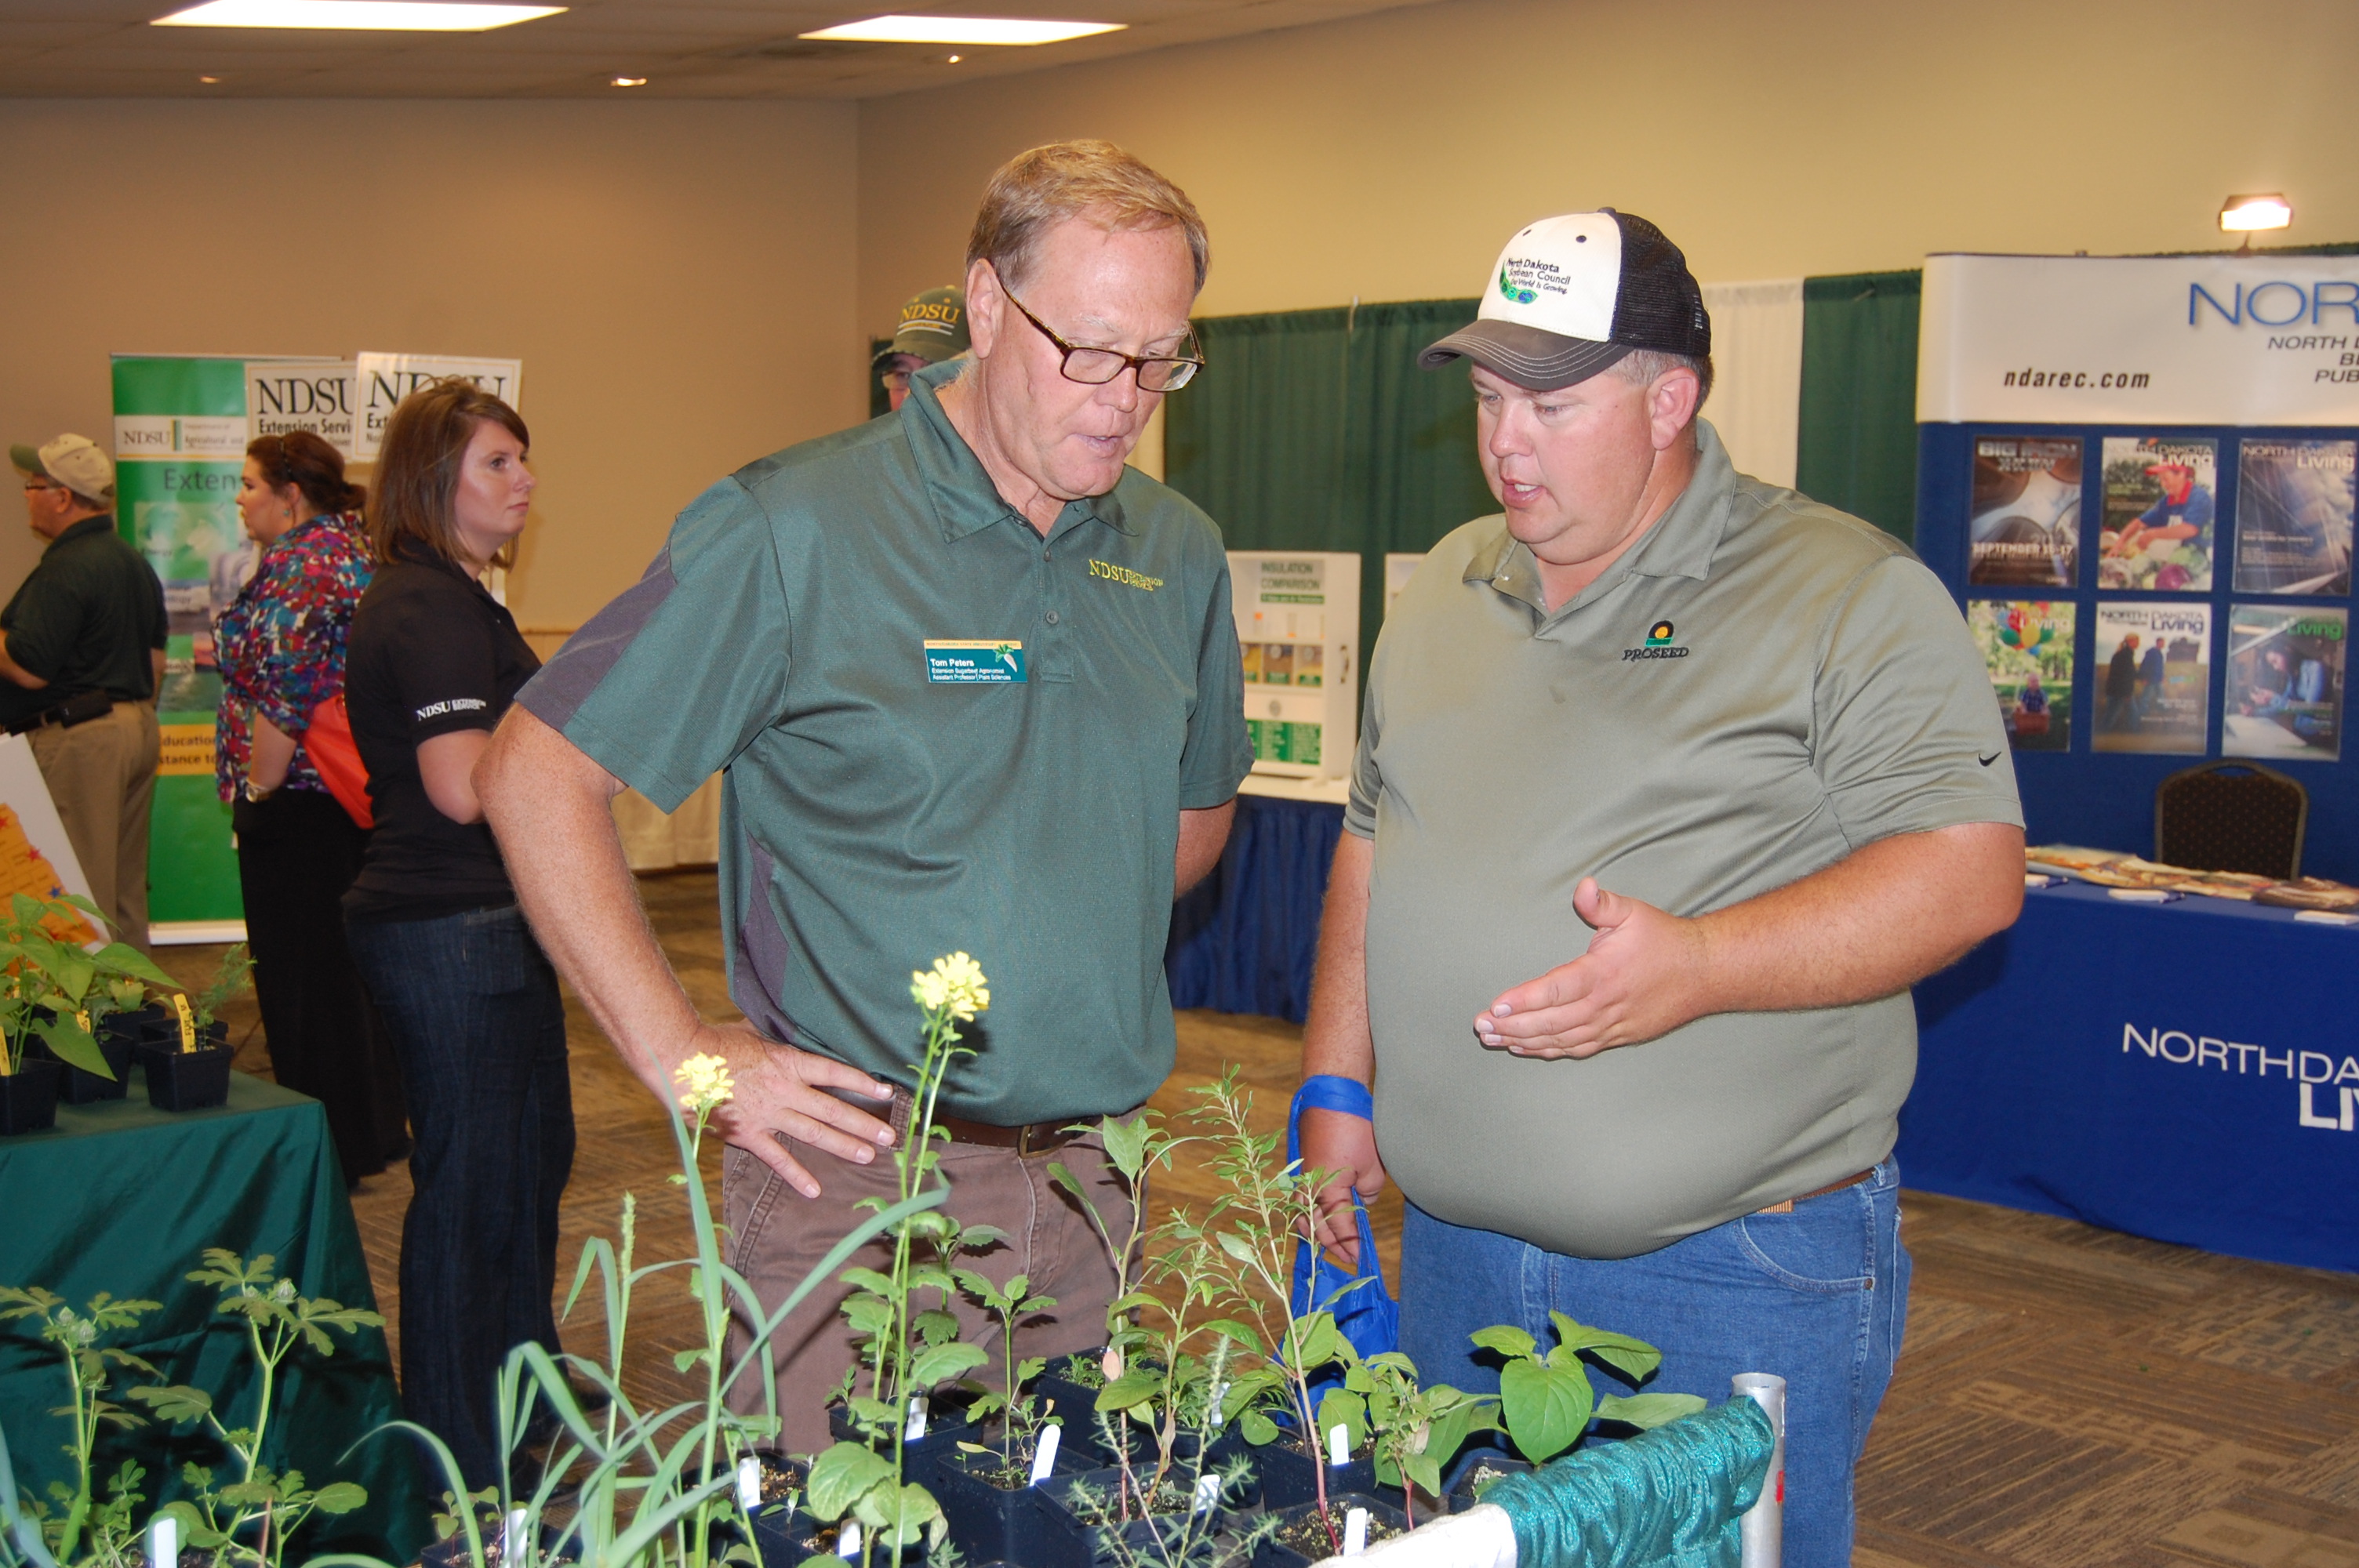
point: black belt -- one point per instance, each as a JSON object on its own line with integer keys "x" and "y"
{"x": 74, "y": 710}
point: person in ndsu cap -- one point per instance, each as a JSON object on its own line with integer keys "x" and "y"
{"x": 1672, "y": 782}
{"x": 932, "y": 329}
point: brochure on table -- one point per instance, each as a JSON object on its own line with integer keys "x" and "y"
{"x": 1297, "y": 614}
{"x": 2137, "y": 476}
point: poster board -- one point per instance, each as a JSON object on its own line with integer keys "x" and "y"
{"x": 36, "y": 856}
{"x": 1297, "y": 616}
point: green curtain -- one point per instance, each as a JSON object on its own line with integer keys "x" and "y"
{"x": 1315, "y": 430}
{"x": 1856, "y": 447}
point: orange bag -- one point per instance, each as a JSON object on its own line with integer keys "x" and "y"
{"x": 337, "y": 756}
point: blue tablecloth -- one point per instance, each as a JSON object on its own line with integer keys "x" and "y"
{"x": 2188, "y": 1072}
{"x": 1244, "y": 939}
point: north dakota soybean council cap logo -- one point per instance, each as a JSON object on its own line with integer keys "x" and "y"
{"x": 1662, "y": 643}
{"x": 1507, "y": 287}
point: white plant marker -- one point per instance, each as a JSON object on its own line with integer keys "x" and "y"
{"x": 1044, "y": 1453}
{"x": 1207, "y": 1494}
{"x": 847, "y": 1540}
{"x": 163, "y": 1541}
{"x": 916, "y": 1428}
{"x": 1762, "y": 1531}
{"x": 1356, "y": 1531}
{"x": 749, "y": 1483}
{"x": 512, "y": 1536}
{"x": 1339, "y": 1444}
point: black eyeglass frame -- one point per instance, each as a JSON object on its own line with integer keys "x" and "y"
{"x": 1135, "y": 363}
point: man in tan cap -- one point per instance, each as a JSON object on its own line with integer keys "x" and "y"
{"x": 81, "y": 653}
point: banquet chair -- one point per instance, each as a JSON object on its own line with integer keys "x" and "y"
{"x": 2231, "y": 816}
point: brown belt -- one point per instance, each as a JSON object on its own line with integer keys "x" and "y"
{"x": 1788, "y": 1207}
{"x": 1032, "y": 1138}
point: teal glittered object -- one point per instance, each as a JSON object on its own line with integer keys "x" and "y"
{"x": 1667, "y": 1498}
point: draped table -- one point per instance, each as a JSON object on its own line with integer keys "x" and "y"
{"x": 124, "y": 1198}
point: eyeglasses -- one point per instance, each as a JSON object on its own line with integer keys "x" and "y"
{"x": 36, "y": 484}
{"x": 1095, "y": 367}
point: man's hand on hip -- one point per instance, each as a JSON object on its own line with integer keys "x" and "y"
{"x": 781, "y": 1093}
{"x": 1642, "y": 977}
{"x": 1344, "y": 1146}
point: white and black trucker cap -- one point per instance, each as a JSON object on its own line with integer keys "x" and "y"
{"x": 1573, "y": 295}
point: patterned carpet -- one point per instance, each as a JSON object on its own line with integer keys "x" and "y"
{"x": 2066, "y": 1397}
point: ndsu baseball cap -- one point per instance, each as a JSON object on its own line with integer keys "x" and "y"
{"x": 933, "y": 326}
{"x": 73, "y": 462}
{"x": 1570, "y": 296}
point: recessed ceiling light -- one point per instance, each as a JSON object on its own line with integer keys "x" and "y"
{"x": 962, "y": 30}
{"x": 626, "y": 81}
{"x": 952, "y": 60}
{"x": 371, "y": 15}
{"x": 210, "y": 81}
{"x": 2243, "y": 214}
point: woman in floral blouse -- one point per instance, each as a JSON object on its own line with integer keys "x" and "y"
{"x": 281, "y": 650}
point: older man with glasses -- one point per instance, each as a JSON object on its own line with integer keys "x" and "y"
{"x": 81, "y": 653}
{"x": 976, "y": 686}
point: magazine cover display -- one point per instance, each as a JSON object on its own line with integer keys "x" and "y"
{"x": 2161, "y": 496}
{"x": 2027, "y": 648}
{"x": 2025, "y": 524}
{"x": 2283, "y": 700}
{"x": 2153, "y": 678}
{"x": 2293, "y": 515}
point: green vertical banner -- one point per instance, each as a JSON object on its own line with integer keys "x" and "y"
{"x": 1857, "y": 448}
{"x": 179, "y": 445}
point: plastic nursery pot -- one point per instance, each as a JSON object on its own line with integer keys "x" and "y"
{"x": 451, "y": 1551}
{"x": 139, "y": 1025}
{"x": 1301, "y": 1540}
{"x": 188, "y": 1080}
{"x": 88, "y": 1088}
{"x": 776, "y": 1525}
{"x": 1290, "y": 1477}
{"x": 994, "y": 1508}
{"x": 1083, "y": 1511}
{"x": 1474, "y": 1473}
{"x": 946, "y": 1427}
{"x": 28, "y": 1097}
{"x": 809, "y": 1541}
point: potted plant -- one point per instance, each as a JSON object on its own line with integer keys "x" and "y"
{"x": 1298, "y": 1536}
{"x": 111, "y": 1005}
{"x": 191, "y": 1072}
{"x": 987, "y": 1492}
{"x": 47, "y": 980}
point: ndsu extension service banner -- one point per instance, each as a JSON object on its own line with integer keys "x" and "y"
{"x": 2218, "y": 339}
{"x": 384, "y": 380}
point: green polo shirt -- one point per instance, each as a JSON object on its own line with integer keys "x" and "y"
{"x": 1761, "y": 685}
{"x": 89, "y": 617}
{"x": 942, "y": 733}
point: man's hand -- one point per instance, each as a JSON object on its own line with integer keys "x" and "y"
{"x": 1642, "y": 977}
{"x": 1344, "y": 1146}
{"x": 1870, "y": 926}
{"x": 780, "y": 1095}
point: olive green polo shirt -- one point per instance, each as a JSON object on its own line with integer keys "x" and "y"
{"x": 942, "y": 733}
{"x": 89, "y": 617}
{"x": 1759, "y": 686}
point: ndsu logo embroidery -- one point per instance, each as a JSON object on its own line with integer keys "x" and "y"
{"x": 1662, "y": 643}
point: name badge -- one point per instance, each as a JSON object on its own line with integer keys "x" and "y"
{"x": 973, "y": 660}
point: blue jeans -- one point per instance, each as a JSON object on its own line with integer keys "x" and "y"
{"x": 476, "y": 1017}
{"x": 1818, "y": 1297}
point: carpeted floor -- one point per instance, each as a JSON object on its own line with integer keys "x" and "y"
{"x": 2066, "y": 1395}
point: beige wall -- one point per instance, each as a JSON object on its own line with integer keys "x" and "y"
{"x": 678, "y": 279}
{"x": 1390, "y": 155}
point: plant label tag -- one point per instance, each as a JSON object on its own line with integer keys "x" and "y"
{"x": 1339, "y": 1444}
{"x": 916, "y": 1428}
{"x": 847, "y": 1540}
{"x": 1207, "y": 1494}
{"x": 749, "y": 1483}
{"x": 1355, "y": 1532}
{"x": 973, "y": 660}
{"x": 188, "y": 1023}
{"x": 1044, "y": 1453}
{"x": 163, "y": 1542}
{"x": 512, "y": 1536}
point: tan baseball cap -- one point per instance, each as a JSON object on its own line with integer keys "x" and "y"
{"x": 73, "y": 462}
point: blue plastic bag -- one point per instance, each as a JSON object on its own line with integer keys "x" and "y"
{"x": 1367, "y": 1316}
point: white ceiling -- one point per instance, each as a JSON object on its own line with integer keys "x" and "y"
{"x": 687, "y": 48}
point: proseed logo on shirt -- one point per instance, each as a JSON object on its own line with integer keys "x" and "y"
{"x": 1660, "y": 645}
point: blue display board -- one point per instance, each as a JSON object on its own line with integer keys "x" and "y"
{"x": 2077, "y": 794}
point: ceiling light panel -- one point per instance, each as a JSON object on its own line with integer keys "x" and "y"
{"x": 962, "y": 30}
{"x": 357, "y": 16}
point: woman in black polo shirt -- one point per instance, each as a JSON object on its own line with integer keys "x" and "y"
{"x": 433, "y": 923}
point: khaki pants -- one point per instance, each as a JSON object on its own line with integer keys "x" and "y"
{"x": 102, "y": 777}
{"x": 777, "y": 1236}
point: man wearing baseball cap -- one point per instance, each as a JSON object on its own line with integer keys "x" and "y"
{"x": 81, "y": 653}
{"x": 932, "y": 329}
{"x": 1671, "y": 783}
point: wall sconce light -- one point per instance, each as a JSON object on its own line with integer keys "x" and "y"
{"x": 2244, "y": 214}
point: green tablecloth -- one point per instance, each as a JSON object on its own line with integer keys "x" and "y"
{"x": 125, "y": 1198}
